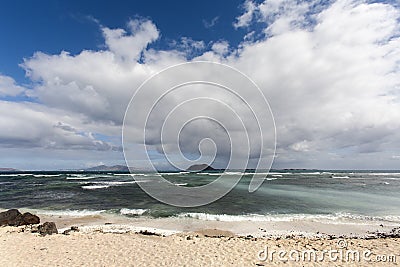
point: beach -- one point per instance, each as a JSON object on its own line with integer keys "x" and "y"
{"x": 201, "y": 248}
{"x": 105, "y": 240}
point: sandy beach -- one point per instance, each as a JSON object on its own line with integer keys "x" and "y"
{"x": 116, "y": 241}
{"x": 189, "y": 249}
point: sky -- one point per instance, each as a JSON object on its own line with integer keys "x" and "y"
{"x": 330, "y": 70}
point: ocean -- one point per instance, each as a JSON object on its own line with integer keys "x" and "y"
{"x": 331, "y": 196}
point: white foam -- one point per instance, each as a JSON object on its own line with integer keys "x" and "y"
{"x": 132, "y": 211}
{"x": 271, "y": 179}
{"x": 234, "y": 173}
{"x": 277, "y": 175}
{"x": 124, "y": 228}
{"x": 340, "y": 177}
{"x": 92, "y": 187}
{"x": 181, "y": 184}
{"x": 338, "y": 218}
{"x": 105, "y": 184}
{"x": 46, "y": 175}
{"x": 111, "y": 183}
{"x": 81, "y": 178}
{"x": 223, "y": 217}
{"x": 71, "y": 213}
{"x": 17, "y": 174}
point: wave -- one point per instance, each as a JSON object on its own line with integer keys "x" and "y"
{"x": 81, "y": 178}
{"x": 337, "y": 218}
{"x": 105, "y": 184}
{"x": 234, "y": 173}
{"x": 340, "y": 177}
{"x": 181, "y": 184}
{"x": 132, "y": 211}
{"x": 92, "y": 187}
{"x": 72, "y": 213}
{"x": 46, "y": 175}
{"x": 17, "y": 174}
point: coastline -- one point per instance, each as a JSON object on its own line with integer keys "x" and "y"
{"x": 110, "y": 240}
{"x": 263, "y": 227}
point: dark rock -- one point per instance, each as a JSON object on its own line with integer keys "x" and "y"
{"x": 14, "y": 218}
{"x": 48, "y": 228}
{"x": 145, "y": 232}
{"x": 26, "y": 219}
{"x": 72, "y": 229}
{"x": 9, "y": 216}
{"x": 200, "y": 167}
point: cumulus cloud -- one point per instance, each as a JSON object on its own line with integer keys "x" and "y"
{"x": 330, "y": 72}
{"x": 28, "y": 125}
{"x": 129, "y": 46}
{"x": 333, "y": 85}
{"x": 8, "y": 87}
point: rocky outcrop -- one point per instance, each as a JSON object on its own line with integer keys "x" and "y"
{"x": 200, "y": 167}
{"x": 8, "y": 216}
{"x": 103, "y": 168}
{"x": 48, "y": 228}
{"x": 14, "y": 218}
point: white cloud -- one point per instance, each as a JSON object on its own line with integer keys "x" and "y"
{"x": 8, "y": 87}
{"x": 331, "y": 74}
{"x": 128, "y": 47}
{"x": 188, "y": 47}
{"x": 245, "y": 19}
{"x": 28, "y": 125}
{"x": 221, "y": 47}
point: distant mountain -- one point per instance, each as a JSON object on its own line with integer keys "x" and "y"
{"x": 105, "y": 168}
{"x": 8, "y": 170}
{"x": 200, "y": 167}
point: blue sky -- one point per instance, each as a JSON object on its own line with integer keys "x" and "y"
{"x": 329, "y": 69}
{"x": 54, "y": 26}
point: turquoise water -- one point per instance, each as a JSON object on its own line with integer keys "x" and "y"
{"x": 284, "y": 194}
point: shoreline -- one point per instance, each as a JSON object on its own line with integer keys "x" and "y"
{"x": 110, "y": 240}
{"x": 301, "y": 227}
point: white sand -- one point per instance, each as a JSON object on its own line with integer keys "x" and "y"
{"x": 130, "y": 249}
